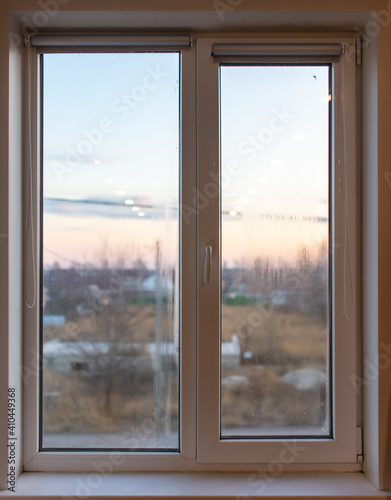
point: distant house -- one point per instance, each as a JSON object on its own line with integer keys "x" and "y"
{"x": 88, "y": 357}
{"x": 150, "y": 284}
{"x": 230, "y": 352}
{"x": 66, "y": 356}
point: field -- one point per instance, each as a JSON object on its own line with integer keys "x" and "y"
{"x": 261, "y": 389}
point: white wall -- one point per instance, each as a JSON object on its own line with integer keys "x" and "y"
{"x": 255, "y": 14}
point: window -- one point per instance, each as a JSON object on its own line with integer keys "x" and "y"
{"x": 110, "y": 244}
{"x": 197, "y": 253}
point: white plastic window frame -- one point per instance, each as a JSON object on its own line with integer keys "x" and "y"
{"x": 200, "y": 445}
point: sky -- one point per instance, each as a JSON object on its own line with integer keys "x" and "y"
{"x": 274, "y": 122}
{"x": 112, "y": 147}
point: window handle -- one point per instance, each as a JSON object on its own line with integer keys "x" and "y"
{"x": 208, "y": 263}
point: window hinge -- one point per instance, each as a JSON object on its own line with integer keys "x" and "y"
{"x": 358, "y": 51}
{"x": 27, "y": 41}
{"x": 359, "y": 444}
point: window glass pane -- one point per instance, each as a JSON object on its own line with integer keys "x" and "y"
{"x": 275, "y": 309}
{"x": 110, "y": 246}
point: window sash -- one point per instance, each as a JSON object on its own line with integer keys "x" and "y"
{"x": 36, "y": 460}
{"x": 342, "y": 447}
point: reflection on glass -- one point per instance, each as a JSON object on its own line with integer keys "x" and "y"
{"x": 110, "y": 335}
{"x": 275, "y": 308}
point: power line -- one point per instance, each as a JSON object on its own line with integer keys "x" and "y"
{"x": 75, "y": 263}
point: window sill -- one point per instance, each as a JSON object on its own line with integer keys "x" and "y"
{"x": 193, "y": 485}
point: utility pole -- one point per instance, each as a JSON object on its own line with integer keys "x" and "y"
{"x": 159, "y": 375}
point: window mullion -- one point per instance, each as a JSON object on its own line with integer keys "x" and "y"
{"x": 208, "y": 208}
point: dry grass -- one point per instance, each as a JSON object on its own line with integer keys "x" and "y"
{"x": 76, "y": 404}
{"x": 134, "y": 322}
{"x": 267, "y": 401}
{"x": 278, "y": 338}
{"x": 280, "y": 342}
